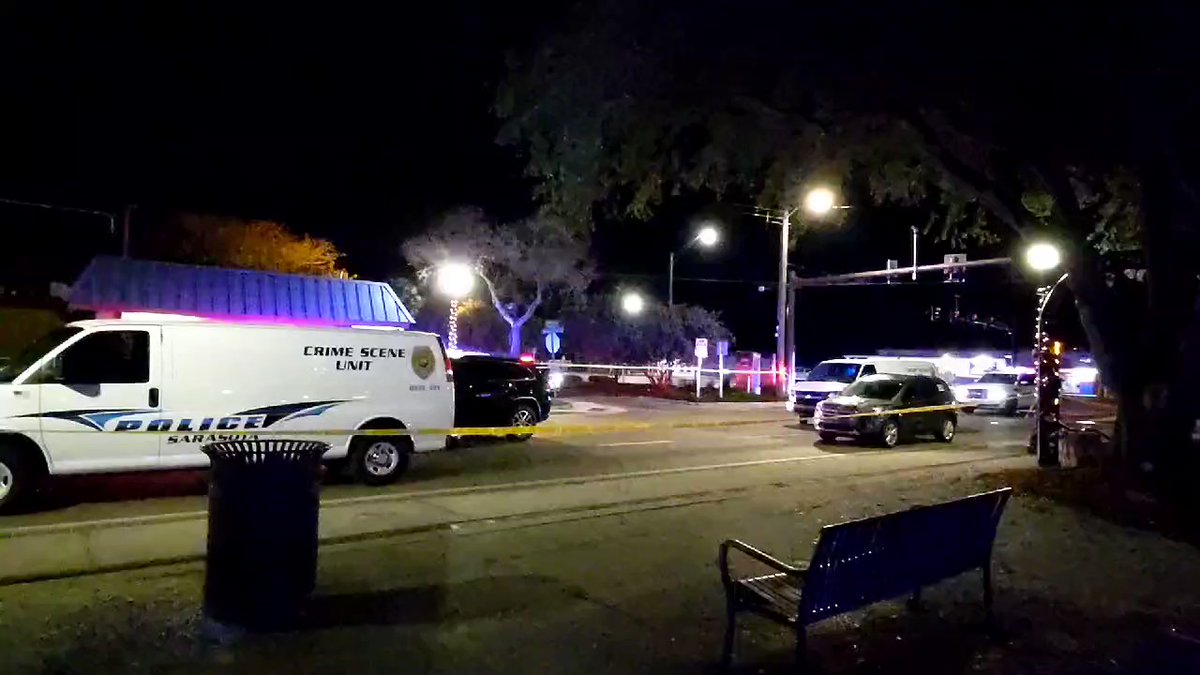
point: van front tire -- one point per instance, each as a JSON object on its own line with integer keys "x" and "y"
{"x": 379, "y": 460}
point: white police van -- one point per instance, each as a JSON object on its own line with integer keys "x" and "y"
{"x": 127, "y": 395}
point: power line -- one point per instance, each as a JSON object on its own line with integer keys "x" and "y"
{"x": 112, "y": 218}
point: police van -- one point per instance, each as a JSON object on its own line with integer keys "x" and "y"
{"x": 126, "y": 395}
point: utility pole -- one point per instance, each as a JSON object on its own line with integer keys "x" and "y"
{"x": 790, "y": 324}
{"x": 125, "y": 218}
{"x": 781, "y": 305}
{"x": 671, "y": 281}
{"x": 914, "y": 269}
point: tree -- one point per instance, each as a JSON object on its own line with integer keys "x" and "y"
{"x": 521, "y": 264}
{"x": 247, "y": 244}
{"x": 1081, "y": 134}
{"x": 659, "y": 335}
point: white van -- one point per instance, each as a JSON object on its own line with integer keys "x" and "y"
{"x": 81, "y": 399}
{"x": 832, "y": 376}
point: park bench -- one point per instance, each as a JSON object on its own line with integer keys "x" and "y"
{"x": 862, "y": 562}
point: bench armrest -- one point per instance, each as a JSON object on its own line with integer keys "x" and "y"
{"x": 750, "y": 551}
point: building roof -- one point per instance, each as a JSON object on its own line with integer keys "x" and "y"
{"x": 111, "y": 284}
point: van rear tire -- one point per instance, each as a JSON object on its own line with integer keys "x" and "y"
{"x": 379, "y": 460}
{"x": 20, "y": 478}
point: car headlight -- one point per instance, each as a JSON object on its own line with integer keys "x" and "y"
{"x": 878, "y": 409}
{"x": 961, "y": 393}
{"x": 554, "y": 380}
{"x": 997, "y": 395}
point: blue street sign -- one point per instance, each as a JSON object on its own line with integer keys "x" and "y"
{"x": 553, "y": 342}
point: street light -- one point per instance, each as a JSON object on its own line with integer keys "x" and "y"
{"x": 632, "y": 303}
{"x": 708, "y": 236}
{"x": 818, "y": 201}
{"x": 1042, "y": 257}
{"x": 454, "y": 280}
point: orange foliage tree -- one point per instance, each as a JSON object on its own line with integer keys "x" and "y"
{"x": 248, "y": 244}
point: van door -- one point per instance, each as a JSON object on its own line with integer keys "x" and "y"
{"x": 105, "y": 380}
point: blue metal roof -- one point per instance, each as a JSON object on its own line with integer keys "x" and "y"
{"x": 122, "y": 284}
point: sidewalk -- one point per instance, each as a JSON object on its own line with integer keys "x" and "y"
{"x": 636, "y": 591}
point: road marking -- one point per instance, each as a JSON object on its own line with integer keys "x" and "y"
{"x": 440, "y": 492}
{"x": 770, "y": 437}
{"x": 417, "y": 494}
{"x": 619, "y": 445}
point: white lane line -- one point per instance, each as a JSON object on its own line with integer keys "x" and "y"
{"x": 418, "y": 494}
{"x": 620, "y": 445}
{"x": 474, "y": 489}
{"x": 770, "y": 437}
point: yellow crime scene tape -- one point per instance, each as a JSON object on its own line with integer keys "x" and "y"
{"x": 551, "y": 430}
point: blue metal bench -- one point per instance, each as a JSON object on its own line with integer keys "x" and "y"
{"x": 862, "y": 562}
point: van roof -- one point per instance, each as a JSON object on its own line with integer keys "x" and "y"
{"x": 212, "y": 323}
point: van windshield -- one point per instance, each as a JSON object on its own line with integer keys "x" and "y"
{"x": 834, "y": 372}
{"x": 34, "y": 351}
{"x": 998, "y": 378}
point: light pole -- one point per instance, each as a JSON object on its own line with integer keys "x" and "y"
{"x": 708, "y": 236}
{"x": 454, "y": 280}
{"x": 818, "y": 202}
{"x": 1042, "y": 257}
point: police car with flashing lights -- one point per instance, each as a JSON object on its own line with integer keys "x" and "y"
{"x": 123, "y": 395}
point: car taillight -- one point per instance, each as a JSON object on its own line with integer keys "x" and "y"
{"x": 527, "y": 359}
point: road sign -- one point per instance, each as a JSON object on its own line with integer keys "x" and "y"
{"x": 955, "y": 275}
{"x": 702, "y": 348}
{"x": 552, "y": 327}
{"x": 553, "y": 343}
{"x": 892, "y": 264}
{"x": 723, "y": 348}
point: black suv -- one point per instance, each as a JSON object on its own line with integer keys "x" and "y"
{"x": 874, "y": 407}
{"x": 495, "y": 392}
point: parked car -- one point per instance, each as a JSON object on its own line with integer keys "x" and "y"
{"x": 869, "y": 409}
{"x": 497, "y": 392}
{"x": 1007, "y": 393}
{"x": 832, "y": 376}
{"x": 126, "y": 395}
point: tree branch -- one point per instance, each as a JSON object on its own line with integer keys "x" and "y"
{"x": 972, "y": 182}
{"x": 496, "y": 299}
{"x": 537, "y": 300}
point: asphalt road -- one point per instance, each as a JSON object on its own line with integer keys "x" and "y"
{"x": 762, "y": 438}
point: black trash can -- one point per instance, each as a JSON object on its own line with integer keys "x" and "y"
{"x": 263, "y": 501}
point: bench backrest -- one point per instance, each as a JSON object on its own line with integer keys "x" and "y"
{"x": 865, "y": 561}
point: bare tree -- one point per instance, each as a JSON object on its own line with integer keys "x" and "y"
{"x": 520, "y": 263}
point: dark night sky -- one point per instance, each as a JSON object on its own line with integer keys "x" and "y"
{"x": 359, "y": 127}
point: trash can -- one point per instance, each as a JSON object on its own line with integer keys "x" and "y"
{"x": 263, "y": 501}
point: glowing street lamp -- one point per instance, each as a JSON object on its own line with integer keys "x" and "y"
{"x": 1042, "y": 256}
{"x": 454, "y": 280}
{"x": 707, "y": 236}
{"x": 817, "y": 202}
{"x": 820, "y": 201}
{"x": 632, "y": 303}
